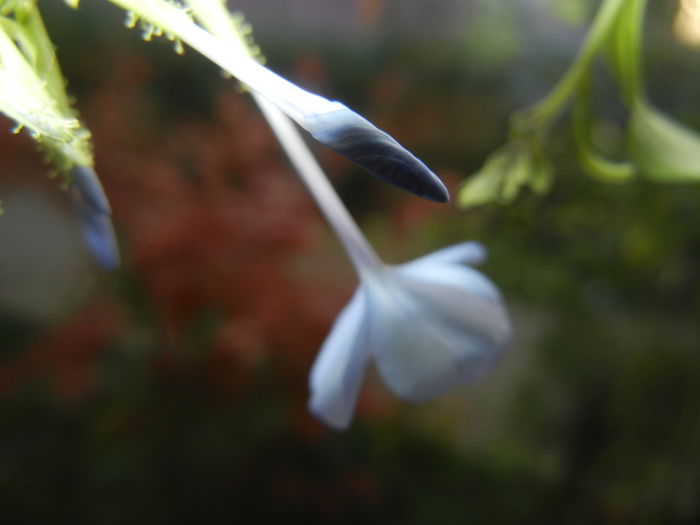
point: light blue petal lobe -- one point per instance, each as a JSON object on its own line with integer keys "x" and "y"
{"x": 95, "y": 216}
{"x": 452, "y": 275}
{"x": 337, "y": 373}
{"x": 428, "y": 338}
{"x": 468, "y": 252}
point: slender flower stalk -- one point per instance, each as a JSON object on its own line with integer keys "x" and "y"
{"x": 429, "y": 324}
{"x": 329, "y": 122}
{"x": 363, "y": 257}
{"x": 545, "y": 112}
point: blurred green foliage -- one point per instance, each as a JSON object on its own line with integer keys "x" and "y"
{"x": 656, "y": 146}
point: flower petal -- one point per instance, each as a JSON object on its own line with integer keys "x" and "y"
{"x": 430, "y": 337}
{"x": 468, "y": 252}
{"x": 451, "y": 275}
{"x": 337, "y": 373}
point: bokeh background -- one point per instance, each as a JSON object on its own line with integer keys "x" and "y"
{"x": 174, "y": 390}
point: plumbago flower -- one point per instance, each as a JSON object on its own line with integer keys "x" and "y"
{"x": 429, "y": 325}
{"x": 32, "y": 93}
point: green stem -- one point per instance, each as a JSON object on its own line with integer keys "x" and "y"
{"x": 626, "y": 48}
{"x": 547, "y": 110}
{"x": 593, "y": 162}
{"x": 177, "y": 24}
{"x": 47, "y": 64}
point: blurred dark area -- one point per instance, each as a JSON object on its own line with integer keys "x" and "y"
{"x": 174, "y": 390}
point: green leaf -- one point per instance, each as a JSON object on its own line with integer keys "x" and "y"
{"x": 519, "y": 163}
{"x": 485, "y": 185}
{"x": 32, "y": 90}
{"x": 662, "y": 148}
{"x": 624, "y": 48}
{"x": 541, "y": 174}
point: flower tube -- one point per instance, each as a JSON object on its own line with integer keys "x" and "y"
{"x": 329, "y": 122}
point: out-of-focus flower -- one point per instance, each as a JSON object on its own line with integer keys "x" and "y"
{"x": 429, "y": 325}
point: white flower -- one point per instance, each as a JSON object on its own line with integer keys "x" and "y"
{"x": 429, "y": 325}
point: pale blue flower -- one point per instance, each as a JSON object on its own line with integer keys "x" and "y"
{"x": 428, "y": 325}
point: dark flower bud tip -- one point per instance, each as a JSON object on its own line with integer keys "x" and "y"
{"x": 95, "y": 216}
{"x": 357, "y": 139}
